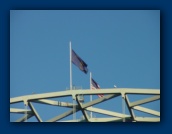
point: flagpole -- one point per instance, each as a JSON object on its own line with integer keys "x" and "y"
{"x": 70, "y": 62}
{"x": 26, "y": 113}
{"x": 70, "y": 65}
{"x": 123, "y": 107}
{"x": 91, "y": 114}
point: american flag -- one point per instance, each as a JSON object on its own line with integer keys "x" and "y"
{"x": 95, "y": 86}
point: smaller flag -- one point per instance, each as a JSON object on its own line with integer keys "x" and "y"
{"x": 79, "y": 62}
{"x": 94, "y": 86}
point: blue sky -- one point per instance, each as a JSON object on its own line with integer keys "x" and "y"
{"x": 121, "y": 47}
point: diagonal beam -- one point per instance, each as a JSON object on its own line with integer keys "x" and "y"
{"x": 146, "y": 110}
{"x": 83, "y": 111}
{"x": 35, "y": 112}
{"x": 54, "y": 103}
{"x": 99, "y": 100}
{"x": 62, "y": 116}
{"x": 128, "y": 105}
{"x": 106, "y": 112}
{"x": 150, "y": 99}
{"x": 20, "y": 111}
{"x": 22, "y": 119}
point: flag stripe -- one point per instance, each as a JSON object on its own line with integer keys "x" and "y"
{"x": 95, "y": 86}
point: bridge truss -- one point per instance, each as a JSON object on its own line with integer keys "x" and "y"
{"x": 85, "y": 107}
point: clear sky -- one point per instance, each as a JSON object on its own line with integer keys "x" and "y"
{"x": 121, "y": 47}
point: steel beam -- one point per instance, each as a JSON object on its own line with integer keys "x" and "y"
{"x": 99, "y": 100}
{"x": 22, "y": 119}
{"x": 54, "y": 119}
{"x": 35, "y": 112}
{"x": 128, "y": 106}
{"x": 147, "y": 119}
{"x": 108, "y": 94}
{"x": 150, "y": 99}
{"x": 146, "y": 110}
{"x": 85, "y": 92}
{"x": 20, "y": 111}
{"x": 106, "y": 112}
{"x": 127, "y": 119}
{"x": 104, "y": 119}
{"x": 54, "y": 103}
{"x": 83, "y": 111}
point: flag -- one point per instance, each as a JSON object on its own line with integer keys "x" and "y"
{"x": 94, "y": 86}
{"x": 79, "y": 62}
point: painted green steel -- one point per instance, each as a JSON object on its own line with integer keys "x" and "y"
{"x": 146, "y": 110}
{"x": 106, "y": 112}
{"x": 150, "y": 99}
{"x": 22, "y": 119}
{"x": 85, "y": 92}
{"x": 54, "y": 103}
{"x": 128, "y": 105}
{"x": 35, "y": 112}
{"x": 84, "y": 107}
{"x": 20, "y": 111}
